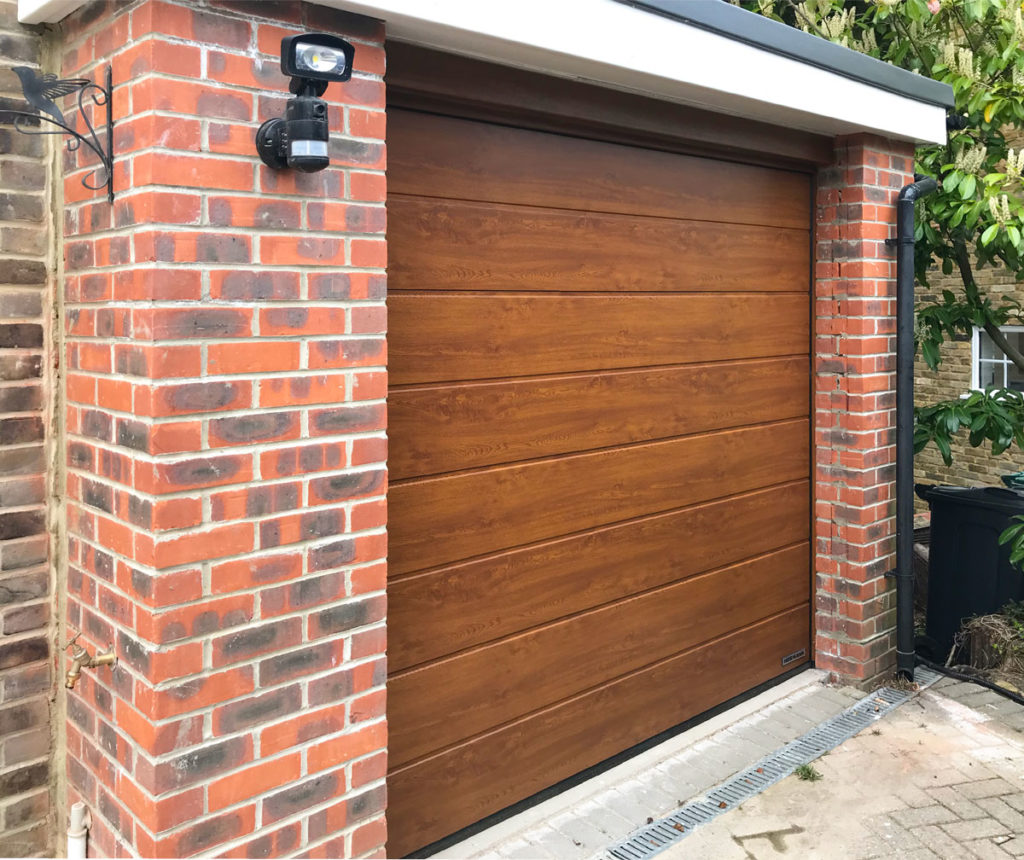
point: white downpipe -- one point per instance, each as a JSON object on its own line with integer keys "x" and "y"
{"x": 78, "y": 829}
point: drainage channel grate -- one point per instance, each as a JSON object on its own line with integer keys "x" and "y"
{"x": 659, "y": 835}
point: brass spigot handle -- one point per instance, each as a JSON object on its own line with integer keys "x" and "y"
{"x": 80, "y": 659}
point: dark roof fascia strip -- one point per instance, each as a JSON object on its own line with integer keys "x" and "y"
{"x": 718, "y": 16}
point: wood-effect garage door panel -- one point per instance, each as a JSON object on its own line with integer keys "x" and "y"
{"x": 434, "y": 156}
{"x": 460, "y": 245}
{"x": 599, "y": 517}
{"x": 436, "y": 429}
{"x": 449, "y": 609}
{"x": 434, "y": 521}
{"x": 558, "y": 660}
{"x": 436, "y": 337}
{"x": 456, "y": 787}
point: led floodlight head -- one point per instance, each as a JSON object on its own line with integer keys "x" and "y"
{"x": 316, "y": 56}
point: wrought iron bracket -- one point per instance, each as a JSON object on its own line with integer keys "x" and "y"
{"x": 41, "y": 91}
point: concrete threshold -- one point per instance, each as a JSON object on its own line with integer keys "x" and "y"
{"x": 584, "y": 820}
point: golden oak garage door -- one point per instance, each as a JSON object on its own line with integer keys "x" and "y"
{"x": 599, "y": 453}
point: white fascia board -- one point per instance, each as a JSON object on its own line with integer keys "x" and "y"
{"x": 618, "y": 46}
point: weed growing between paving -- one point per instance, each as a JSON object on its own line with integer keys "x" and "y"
{"x": 807, "y": 773}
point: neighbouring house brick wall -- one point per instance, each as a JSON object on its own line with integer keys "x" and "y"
{"x": 226, "y": 446}
{"x": 971, "y": 466}
{"x": 25, "y": 395}
{"x": 855, "y": 400}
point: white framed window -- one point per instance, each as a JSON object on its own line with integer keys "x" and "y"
{"x": 990, "y": 367}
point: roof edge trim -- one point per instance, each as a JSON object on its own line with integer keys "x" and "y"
{"x": 724, "y": 19}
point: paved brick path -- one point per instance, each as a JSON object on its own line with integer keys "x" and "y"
{"x": 940, "y": 777}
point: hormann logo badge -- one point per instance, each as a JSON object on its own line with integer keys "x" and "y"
{"x": 792, "y": 658}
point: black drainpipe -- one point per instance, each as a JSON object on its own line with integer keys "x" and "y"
{"x": 923, "y": 186}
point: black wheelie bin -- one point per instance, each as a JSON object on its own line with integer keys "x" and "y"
{"x": 969, "y": 573}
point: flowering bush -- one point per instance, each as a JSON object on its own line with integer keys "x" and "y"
{"x": 975, "y": 218}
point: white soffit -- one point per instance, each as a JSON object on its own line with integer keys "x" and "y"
{"x": 611, "y": 44}
{"x": 46, "y": 11}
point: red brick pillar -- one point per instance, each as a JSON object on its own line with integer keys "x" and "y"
{"x": 855, "y": 401}
{"x": 226, "y": 448}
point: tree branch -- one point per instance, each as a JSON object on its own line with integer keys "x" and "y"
{"x": 964, "y": 30}
{"x": 906, "y": 35}
{"x": 799, "y": 14}
{"x": 999, "y": 339}
{"x": 963, "y": 262}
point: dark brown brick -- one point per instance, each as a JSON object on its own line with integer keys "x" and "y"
{"x": 27, "y": 746}
{"x": 30, "y": 842}
{"x": 22, "y": 717}
{"x": 20, "y": 207}
{"x": 16, "y": 143}
{"x": 24, "y": 553}
{"x": 212, "y": 831}
{"x": 332, "y": 555}
{"x": 23, "y": 651}
{"x": 306, "y": 661}
{"x": 347, "y": 616}
{"x": 25, "y": 681}
{"x": 16, "y": 367}
{"x": 332, "y": 688}
{"x": 97, "y": 425}
{"x": 19, "y": 492}
{"x": 22, "y": 272}
{"x": 26, "y": 809}
{"x": 201, "y": 322}
{"x": 133, "y": 434}
{"x": 21, "y": 336}
{"x": 21, "y": 303}
{"x": 256, "y": 710}
{"x": 300, "y": 797}
{"x": 23, "y": 779}
{"x": 22, "y": 175}
{"x": 201, "y": 764}
{"x": 24, "y": 398}
{"x": 254, "y": 428}
{"x": 20, "y": 524}
{"x": 30, "y": 241}
{"x": 14, "y": 431}
{"x": 21, "y": 619}
{"x": 17, "y": 589}
{"x": 257, "y": 640}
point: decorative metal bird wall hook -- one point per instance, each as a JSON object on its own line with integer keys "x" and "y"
{"x": 41, "y": 93}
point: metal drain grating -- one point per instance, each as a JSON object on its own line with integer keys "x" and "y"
{"x": 659, "y": 835}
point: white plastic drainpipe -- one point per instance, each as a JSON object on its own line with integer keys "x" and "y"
{"x": 78, "y": 829}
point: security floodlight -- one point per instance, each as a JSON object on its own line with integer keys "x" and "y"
{"x": 299, "y": 141}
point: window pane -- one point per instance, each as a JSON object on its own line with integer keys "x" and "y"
{"x": 990, "y": 374}
{"x": 1014, "y": 378}
{"x": 1016, "y": 338}
{"x": 988, "y": 349}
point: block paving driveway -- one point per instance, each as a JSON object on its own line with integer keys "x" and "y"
{"x": 942, "y": 776}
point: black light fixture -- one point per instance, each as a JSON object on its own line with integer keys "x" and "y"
{"x": 299, "y": 141}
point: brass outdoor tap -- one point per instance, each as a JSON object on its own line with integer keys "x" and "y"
{"x": 82, "y": 659}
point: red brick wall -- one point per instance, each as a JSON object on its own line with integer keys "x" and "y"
{"x": 855, "y": 400}
{"x": 226, "y": 448}
{"x": 25, "y": 392}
